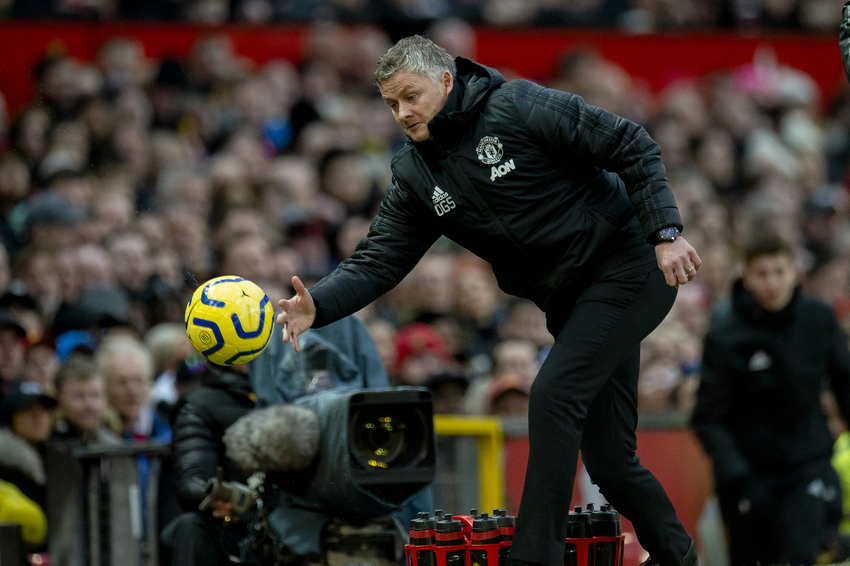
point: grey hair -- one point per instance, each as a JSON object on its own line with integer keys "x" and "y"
{"x": 418, "y": 55}
{"x": 123, "y": 350}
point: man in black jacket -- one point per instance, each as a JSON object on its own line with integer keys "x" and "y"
{"x": 758, "y": 413}
{"x": 565, "y": 201}
{"x": 208, "y": 537}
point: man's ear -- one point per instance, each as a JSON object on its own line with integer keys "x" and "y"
{"x": 448, "y": 81}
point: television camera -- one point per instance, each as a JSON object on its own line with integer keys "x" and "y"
{"x": 330, "y": 470}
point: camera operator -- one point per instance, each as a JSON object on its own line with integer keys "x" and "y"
{"x": 209, "y": 537}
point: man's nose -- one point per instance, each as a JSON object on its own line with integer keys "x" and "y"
{"x": 404, "y": 111}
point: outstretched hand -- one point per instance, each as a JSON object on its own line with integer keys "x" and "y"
{"x": 298, "y": 314}
{"x": 678, "y": 261}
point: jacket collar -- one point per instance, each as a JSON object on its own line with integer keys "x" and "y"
{"x": 473, "y": 83}
{"x": 223, "y": 378}
{"x": 746, "y": 305}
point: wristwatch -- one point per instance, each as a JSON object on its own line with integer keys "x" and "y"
{"x": 667, "y": 235}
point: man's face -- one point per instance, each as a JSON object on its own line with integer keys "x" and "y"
{"x": 771, "y": 279}
{"x": 415, "y": 100}
{"x": 11, "y": 355}
{"x": 33, "y": 423}
{"x": 83, "y": 402}
{"x": 127, "y": 388}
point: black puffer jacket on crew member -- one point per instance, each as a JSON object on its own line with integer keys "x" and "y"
{"x": 198, "y": 430}
{"x": 758, "y": 410}
{"x": 535, "y": 181}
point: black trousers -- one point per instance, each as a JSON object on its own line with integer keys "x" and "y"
{"x": 198, "y": 539}
{"x": 585, "y": 397}
{"x": 801, "y": 510}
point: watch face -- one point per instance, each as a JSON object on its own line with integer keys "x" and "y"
{"x": 668, "y": 234}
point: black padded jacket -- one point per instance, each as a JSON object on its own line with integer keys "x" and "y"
{"x": 535, "y": 181}
{"x": 198, "y": 431}
{"x": 758, "y": 408}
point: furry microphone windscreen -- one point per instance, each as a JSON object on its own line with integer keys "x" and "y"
{"x": 280, "y": 438}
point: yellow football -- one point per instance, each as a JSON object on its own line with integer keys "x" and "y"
{"x": 229, "y": 320}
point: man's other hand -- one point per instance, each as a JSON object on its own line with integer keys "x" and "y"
{"x": 678, "y": 261}
{"x": 298, "y": 314}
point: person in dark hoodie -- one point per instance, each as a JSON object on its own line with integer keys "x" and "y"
{"x": 758, "y": 414}
{"x": 571, "y": 207}
{"x": 211, "y": 536}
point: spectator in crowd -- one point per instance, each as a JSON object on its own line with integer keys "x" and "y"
{"x": 758, "y": 413}
{"x": 14, "y": 186}
{"x": 12, "y": 352}
{"x": 383, "y": 334}
{"x": 517, "y": 357}
{"x": 448, "y": 390}
{"x": 478, "y": 306}
{"x": 169, "y": 346}
{"x": 420, "y": 354}
{"x": 634, "y": 17}
{"x": 132, "y": 264}
{"x": 525, "y": 321}
{"x": 127, "y": 368}
{"x": 507, "y": 396}
{"x": 36, "y": 269}
{"x": 41, "y": 364}
{"x": 514, "y": 359}
{"x": 24, "y": 308}
{"x": 27, "y": 418}
{"x": 82, "y": 403}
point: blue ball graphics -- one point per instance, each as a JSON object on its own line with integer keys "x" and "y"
{"x": 229, "y": 320}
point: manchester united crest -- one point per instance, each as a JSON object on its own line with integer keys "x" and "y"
{"x": 490, "y": 150}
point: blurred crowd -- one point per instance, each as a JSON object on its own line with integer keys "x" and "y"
{"x": 638, "y": 16}
{"x": 127, "y": 182}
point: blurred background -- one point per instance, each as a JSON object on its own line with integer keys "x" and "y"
{"x": 149, "y": 145}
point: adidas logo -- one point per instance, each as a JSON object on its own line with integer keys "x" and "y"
{"x": 439, "y": 195}
{"x": 443, "y": 203}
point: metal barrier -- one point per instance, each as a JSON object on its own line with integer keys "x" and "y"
{"x": 94, "y": 505}
{"x": 469, "y": 463}
{"x": 95, "y": 508}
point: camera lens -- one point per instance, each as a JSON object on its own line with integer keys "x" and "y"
{"x": 382, "y": 438}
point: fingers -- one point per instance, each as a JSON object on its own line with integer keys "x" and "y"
{"x": 289, "y": 334}
{"x": 679, "y": 273}
{"x": 695, "y": 263}
{"x": 678, "y": 261}
{"x": 285, "y": 329}
{"x": 293, "y": 316}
